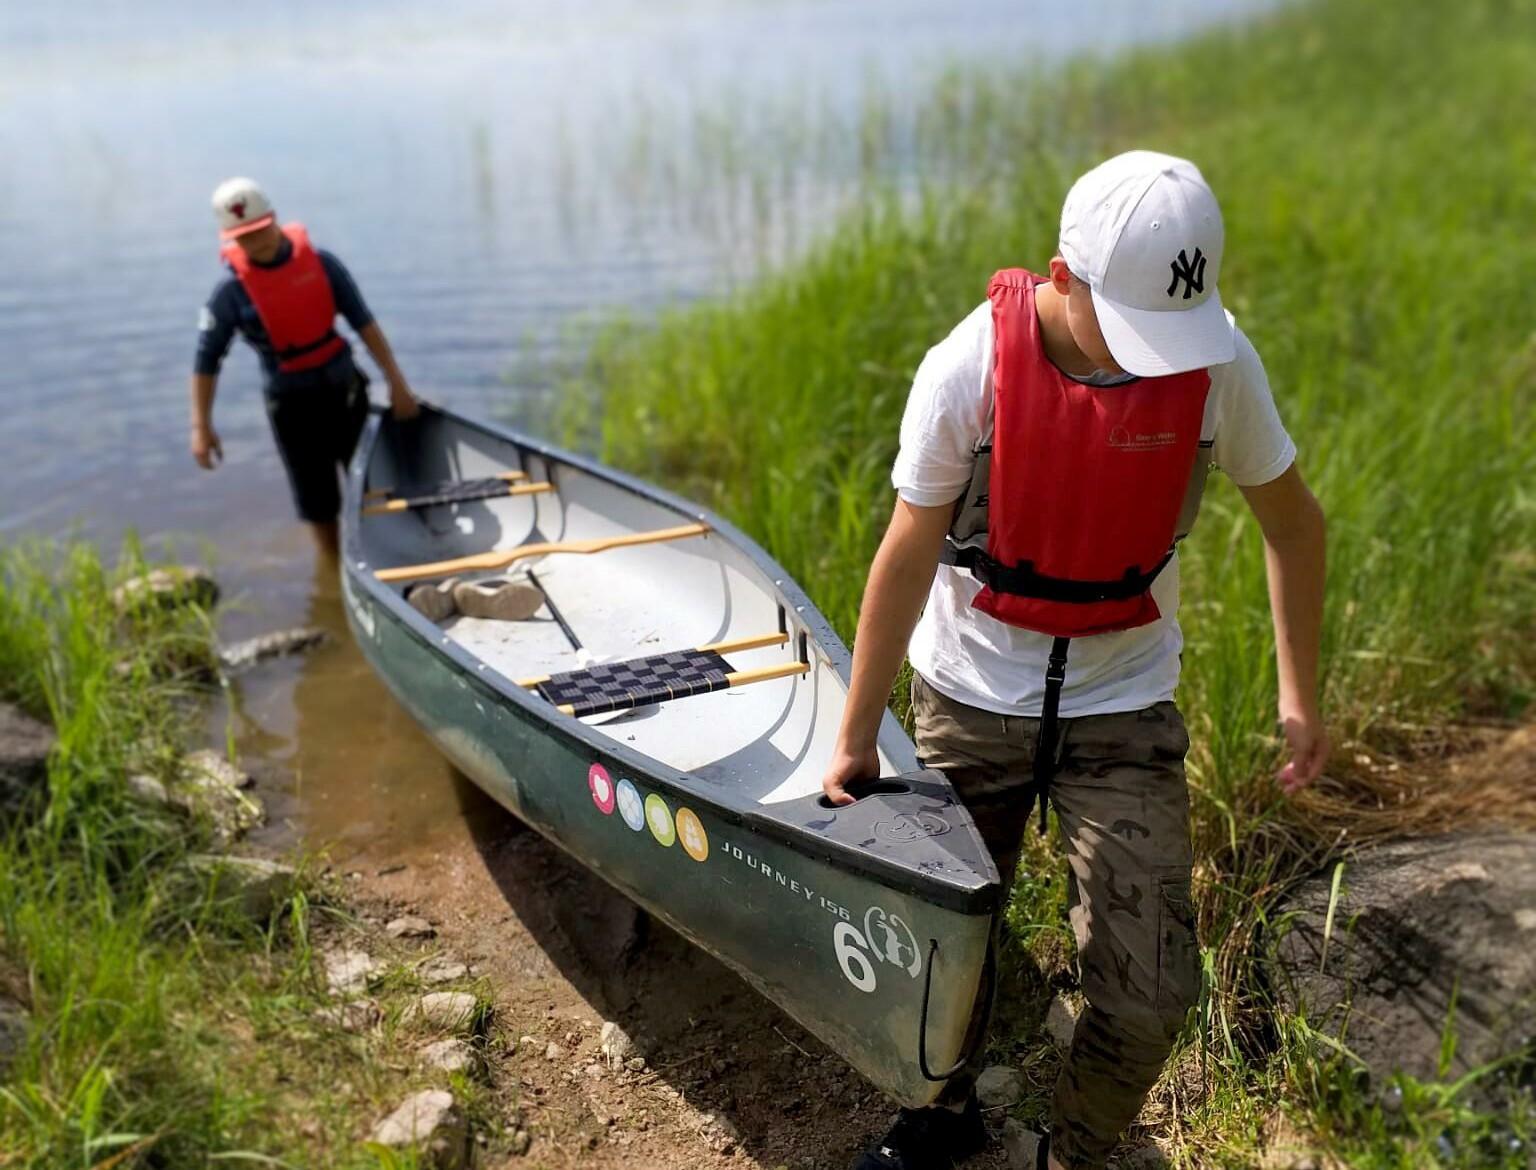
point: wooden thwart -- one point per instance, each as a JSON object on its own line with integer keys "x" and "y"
{"x": 501, "y": 559}
{"x": 521, "y": 489}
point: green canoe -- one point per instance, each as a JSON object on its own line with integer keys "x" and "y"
{"x": 666, "y": 717}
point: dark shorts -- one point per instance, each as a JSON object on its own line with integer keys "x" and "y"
{"x": 316, "y": 426}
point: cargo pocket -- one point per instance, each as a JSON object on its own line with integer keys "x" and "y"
{"x": 1178, "y": 952}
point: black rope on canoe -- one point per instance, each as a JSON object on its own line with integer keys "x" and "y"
{"x": 988, "y": 973}
{"x": 554, "y": 612}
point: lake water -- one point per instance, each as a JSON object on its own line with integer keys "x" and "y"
{"x": 498, "y": 176}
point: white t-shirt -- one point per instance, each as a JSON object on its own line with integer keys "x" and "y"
{"x": 976, "y": 659}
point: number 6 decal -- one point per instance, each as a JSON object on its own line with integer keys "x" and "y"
{"x": 850, "y": 944}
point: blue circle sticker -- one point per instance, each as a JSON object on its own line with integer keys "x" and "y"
{"x": 631, "y": 807}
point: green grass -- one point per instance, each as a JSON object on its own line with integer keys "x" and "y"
{"x": 167, "y": 1028}
{"x": 1374, "y": 163}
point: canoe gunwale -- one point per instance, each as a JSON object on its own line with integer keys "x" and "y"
{"x": 783, "y": 823}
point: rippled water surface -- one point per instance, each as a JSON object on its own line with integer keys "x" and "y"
{"x": 498, "y": 176}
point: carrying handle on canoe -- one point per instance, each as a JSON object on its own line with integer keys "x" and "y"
{"x": 500, "y": 560}
{"x": 988, "y": 973}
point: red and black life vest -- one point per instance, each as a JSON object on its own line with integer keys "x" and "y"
{"x": 1078, "y": 499}
{"x": 1087, "y": 488}
{"x": 295, "y": 302}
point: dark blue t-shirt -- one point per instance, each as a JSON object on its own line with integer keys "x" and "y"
{"x": 229, "y": 311}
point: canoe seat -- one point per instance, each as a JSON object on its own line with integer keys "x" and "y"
{"x": 460, "y": 491}
{"x": 619, "y": 686}
{"x": 639, "y": 682}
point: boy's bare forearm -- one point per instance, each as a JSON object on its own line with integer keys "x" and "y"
{"x": 379, "y": 348}
{"x": 203, "y": 386}
{"x": 1296, "y": 563}
{"x": 898, "y": 585}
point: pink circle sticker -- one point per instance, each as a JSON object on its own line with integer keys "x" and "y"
{"x": 601, "y": 784}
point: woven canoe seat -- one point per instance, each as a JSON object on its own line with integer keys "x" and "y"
{"x": 620, "y": 686}
{"x": 461, "y": 492}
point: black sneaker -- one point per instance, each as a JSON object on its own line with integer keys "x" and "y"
{"x": 928, "y": 1139}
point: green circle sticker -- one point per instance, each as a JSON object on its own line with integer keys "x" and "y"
{"x": 659, "y": 817}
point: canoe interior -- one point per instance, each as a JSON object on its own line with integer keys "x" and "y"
{"x": 770, "y": 740}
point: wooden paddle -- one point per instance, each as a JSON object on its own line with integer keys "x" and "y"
{"x": 522, "y": 489}
{"x": 505, "y": 557}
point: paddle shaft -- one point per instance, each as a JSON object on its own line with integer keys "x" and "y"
{"x": 500, "y": 560}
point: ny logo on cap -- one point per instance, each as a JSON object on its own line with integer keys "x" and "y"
{"x": 1191, "y": 272}
{"x": 237, "y": 209}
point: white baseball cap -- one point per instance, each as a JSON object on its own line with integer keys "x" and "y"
{"x": 241, "y": 206}
{"x": 1144, "y": 232}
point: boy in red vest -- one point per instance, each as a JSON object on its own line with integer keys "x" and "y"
{"x": 283, "y": 297}
{"x": 1052, "y": 454}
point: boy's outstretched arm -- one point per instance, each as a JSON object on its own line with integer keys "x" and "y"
{"x": 1295, "y": 541}
{"x": 893, "y": 598}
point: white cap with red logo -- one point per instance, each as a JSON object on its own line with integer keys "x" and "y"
{"x": 241, "y": 206}
{"x": 1143, "y": 230}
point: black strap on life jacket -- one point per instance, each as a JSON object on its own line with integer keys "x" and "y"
{"x": 290, "y": 353}
{"x": 1023, "y": 580}
{"x": 1045, "y": 743}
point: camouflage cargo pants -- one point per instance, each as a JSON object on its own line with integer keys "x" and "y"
{"x": 1121, "y": 798}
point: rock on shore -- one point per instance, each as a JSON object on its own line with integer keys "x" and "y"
{"x": 24, "y": 746}
{"x": 1420, "y": 925}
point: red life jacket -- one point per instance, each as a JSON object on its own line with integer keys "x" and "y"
{"x": 294, "y": 301}
{"x": 1086, "y": 484}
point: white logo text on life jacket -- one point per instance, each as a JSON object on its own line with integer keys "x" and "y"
{"x": 886, "y": 938}
{"x": 1141, "y": 440}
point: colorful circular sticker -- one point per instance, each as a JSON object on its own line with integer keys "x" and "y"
{"x": 659, "y": 817}
{"x": 601, "y": 785}
{"x": 630, "y": 807}
{"x": 690, "y": 831}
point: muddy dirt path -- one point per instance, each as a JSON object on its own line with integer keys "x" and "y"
{"x": 729, "y": 1079}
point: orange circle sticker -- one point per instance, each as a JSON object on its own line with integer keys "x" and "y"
{"x": 690, "y": 831}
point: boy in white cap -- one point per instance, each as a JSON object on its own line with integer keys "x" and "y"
{"x": 283, "y": 296}
{"x": 1053, "y": 452}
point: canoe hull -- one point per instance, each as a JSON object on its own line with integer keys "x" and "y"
{"x": 847, "y": 956}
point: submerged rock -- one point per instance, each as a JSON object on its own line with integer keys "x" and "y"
{"x": 172, "y": 586}
{"x": 278, "y": 644}
{"x": 214, "y": 788}
{"x": 1419, "y": 926}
